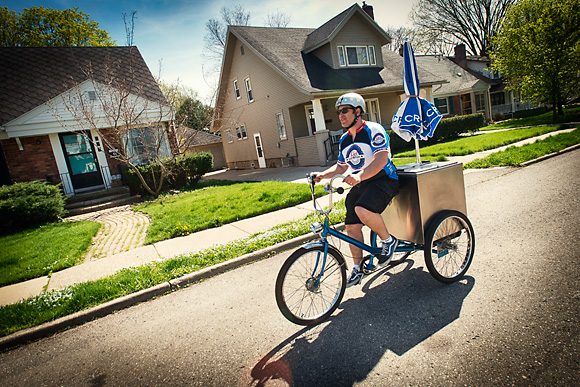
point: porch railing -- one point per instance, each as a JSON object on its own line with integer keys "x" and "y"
{"x": 66, "y": 184}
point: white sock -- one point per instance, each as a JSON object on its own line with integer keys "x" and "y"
{"x": 389, "y": 239}
{"x": 355, "y": 267}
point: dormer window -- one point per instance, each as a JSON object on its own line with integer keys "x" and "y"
{"x": 356, "y": 56}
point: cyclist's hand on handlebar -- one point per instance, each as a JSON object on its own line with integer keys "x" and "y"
{"x": 316, "y": 178}
{"x": 352, "y": 179}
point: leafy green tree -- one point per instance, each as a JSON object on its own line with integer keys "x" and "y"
{"x": 537, "y": 50}
{"x": 194, "y": 114}
{"x": 47, "y": 27}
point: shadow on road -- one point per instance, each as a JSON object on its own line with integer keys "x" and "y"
{"x": 401, "y": 307}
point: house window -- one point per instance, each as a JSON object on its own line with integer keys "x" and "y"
{"x": 357, "y": 56}
{"x": 372, "y": 107}
{"x": 229, "y": 135}
{"x": 281, "y": 126}
{"x": 241, "y": 132}
{"x": 372, "y": 55}
{"x": 497, "y": 99}
{"x": 341, "y": 58}
{"x": 442, "y": 106}
{"x": 146, "y": 144}
{"x": 237, "y": 90}
{"x": 466, "y": 104}
{"x": 479, "y": 103}
{"x": 249, "y": 90}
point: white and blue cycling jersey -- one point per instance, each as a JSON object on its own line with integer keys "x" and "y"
{"x": 371, "y": 138}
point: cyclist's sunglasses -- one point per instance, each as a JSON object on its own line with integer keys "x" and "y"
{"x": 344, "y": 110}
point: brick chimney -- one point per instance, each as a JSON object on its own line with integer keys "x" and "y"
{"x": 369, "y": 10}
{"x": 460, "y": 58}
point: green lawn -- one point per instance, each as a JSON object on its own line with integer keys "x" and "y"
{"x": 184, "y": 213}
{"x": 49, "y": 248}
{"x": 570, "y": 115}
{"x": 477, "y": 143}
{"x": 514, "y": 156}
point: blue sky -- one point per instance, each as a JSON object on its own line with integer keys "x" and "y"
{"x": 172, "y": 31}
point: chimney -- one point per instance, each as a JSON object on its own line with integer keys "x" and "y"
{"x": 460, "y": 58}
{"x": 369, "y": 10}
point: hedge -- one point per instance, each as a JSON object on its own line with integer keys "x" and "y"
{"x": 182, "y": 171}
{"x": 29, "y": 204}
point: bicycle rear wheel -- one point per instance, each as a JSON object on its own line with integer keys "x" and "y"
{"x": 303, "y": 296}
{"x": 449, "y": 246}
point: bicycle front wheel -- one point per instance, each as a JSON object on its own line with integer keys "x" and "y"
{"x": 449, "y": 246}
{"x": 307, "y": 293}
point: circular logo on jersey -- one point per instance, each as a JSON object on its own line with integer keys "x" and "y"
{"x": 379, "y": 139}
{"x": 355, "y": 157}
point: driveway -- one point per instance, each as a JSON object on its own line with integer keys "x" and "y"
{"x": 513, "y": 320}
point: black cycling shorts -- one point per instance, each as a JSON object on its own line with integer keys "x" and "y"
{"x": 374, "y": 195}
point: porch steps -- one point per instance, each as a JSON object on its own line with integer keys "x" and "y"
{"x": 99, "y": 200}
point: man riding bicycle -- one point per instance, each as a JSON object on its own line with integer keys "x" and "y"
{"x": 365, "y": 150}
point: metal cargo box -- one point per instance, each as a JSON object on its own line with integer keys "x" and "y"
{"x": 425, "y": 190}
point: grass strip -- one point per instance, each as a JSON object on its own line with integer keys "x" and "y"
{"x": 40, "y": 251}
{"x": 58, "y": 303}
{"x": 514, "y": 156}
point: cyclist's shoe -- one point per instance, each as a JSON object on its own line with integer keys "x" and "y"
{"x": 388, "y": 251}
{"x": 355, "y": 278}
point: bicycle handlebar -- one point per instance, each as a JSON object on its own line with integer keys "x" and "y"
{"x": 328, "y": 187}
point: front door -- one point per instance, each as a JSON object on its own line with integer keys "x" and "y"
{"x": 260, "y": 150}
{"x": 310, "y": 120}
{"x": 81, "y": 160}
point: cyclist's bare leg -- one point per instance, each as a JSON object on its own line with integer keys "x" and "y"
{"x": 373, "y": 221}
{"x": 355, "y": 231}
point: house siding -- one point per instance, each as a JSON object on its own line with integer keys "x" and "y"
{"x": 356, "y": 32}
{"x": 272, "y": 94}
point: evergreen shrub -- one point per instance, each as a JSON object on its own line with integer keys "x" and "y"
{"x": 29, "y": 204}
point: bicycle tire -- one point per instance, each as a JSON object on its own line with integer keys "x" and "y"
{"x": 300, "y": 297}
{"x": 449, "y": 246}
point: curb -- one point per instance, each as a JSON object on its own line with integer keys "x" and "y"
{"x": 31, "y": 334}
{"x": 545, "y": 157}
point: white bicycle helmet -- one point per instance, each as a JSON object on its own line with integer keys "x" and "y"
{"x": 353, "y": 99}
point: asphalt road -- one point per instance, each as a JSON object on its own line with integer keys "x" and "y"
{"x": 513, "y": 320}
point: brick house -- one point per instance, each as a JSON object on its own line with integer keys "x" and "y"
{"x": 41, "y": 139}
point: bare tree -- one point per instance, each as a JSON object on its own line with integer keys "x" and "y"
{"x": 215, "y": 41}
{"x": 473, "y": 22}
{"x": 130, "y": 27}
{"x": 133, "y": 128}
{"x": 278, "y": 19}
{"x": 216, "y": 30}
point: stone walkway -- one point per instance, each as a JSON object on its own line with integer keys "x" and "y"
{"x": 122, "y": 230}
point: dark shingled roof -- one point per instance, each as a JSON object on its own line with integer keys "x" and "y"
{"x": 31, "y": 76}
{"x": 204, "y": 138}
{"x": 323, "y": 32}
{"x": 282, "y": 47}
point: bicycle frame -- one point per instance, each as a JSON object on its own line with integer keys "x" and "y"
{"x": 325, "y": 230}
